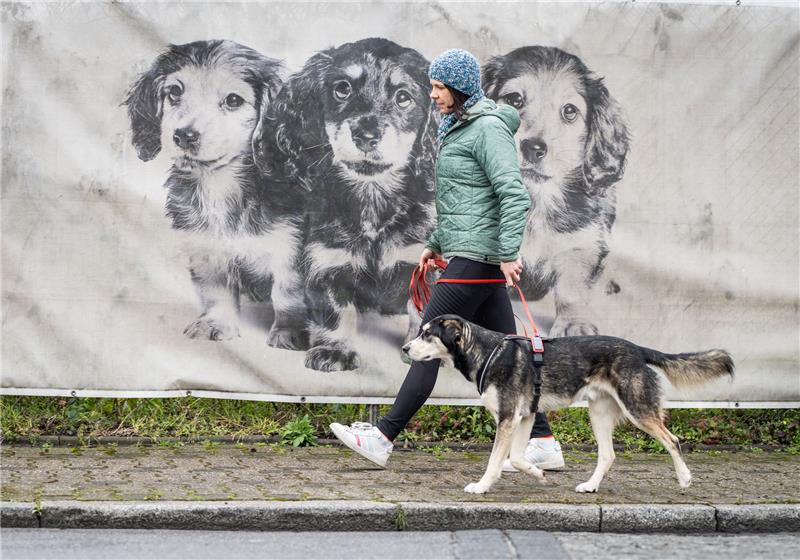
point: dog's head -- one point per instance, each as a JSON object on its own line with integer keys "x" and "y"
{"x": 570, "y": 125}
{"x": 440, "y": 339}
{"x": 200, "y": 102}
{"x": 361, "y": 108}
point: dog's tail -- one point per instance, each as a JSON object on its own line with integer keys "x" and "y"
{"x": 691, "y": 369}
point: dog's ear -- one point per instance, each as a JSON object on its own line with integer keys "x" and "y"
{"x": 425, "y": 149}
{"x": 607, "y": 141}
{"x": 269, "y": 85}
{"x": 290, "y": 143}
{"x": 452, "y": 332}
{"x": 494, "y": 76}
{"x": 144, "y": 103}
{"x": 266, "y": 78}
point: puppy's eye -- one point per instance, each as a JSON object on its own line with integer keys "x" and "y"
{"x": 514, "y": 99}
{"x": 233, "y": 101}
{"x": 569, "y": 112}
{"x": 174, "y": 93}
{"x": 342, "y": 90}
{"x": 402, "y": 98}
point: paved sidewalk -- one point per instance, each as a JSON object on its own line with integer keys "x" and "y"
{"x": 222, "y": 479}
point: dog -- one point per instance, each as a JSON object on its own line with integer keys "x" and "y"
{"x": 611, "y": 373}
{"x": 201, "y": 103}
{"x": 355, "y": 128}
{"x": 573, "y": 143}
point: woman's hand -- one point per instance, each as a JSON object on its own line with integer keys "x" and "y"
{"x": 512, "y": 271}
{"x": 427, "y": 255}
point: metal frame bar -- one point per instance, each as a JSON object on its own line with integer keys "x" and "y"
{"x": 316, "y": 399}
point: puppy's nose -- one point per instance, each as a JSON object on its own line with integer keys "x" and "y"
{"x": 406, "y": 348}
{"x": 366, "y": 133}
{"x": 533, "y": 149}
{"x": 366, "y": 140}
{"x": 186, "y": 137}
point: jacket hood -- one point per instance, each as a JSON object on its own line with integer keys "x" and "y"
{"x": 507, "y": 113}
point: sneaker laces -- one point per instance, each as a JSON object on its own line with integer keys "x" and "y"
{"x": 361, "y": 426}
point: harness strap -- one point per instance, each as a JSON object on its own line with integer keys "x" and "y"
{"x": 538, "y": 362}
{"x": 485, "y": 367}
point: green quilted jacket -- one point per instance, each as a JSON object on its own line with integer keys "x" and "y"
{"x": 481, "y": 203}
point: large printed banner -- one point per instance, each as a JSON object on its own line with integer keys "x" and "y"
{"x": 228, "y": 198}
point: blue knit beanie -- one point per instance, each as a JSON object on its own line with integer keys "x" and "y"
{"x": 460, "y": 70}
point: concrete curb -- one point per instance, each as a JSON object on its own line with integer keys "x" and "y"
{"x": 411, "y": 516}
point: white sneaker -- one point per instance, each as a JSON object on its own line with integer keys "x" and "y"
{"x": 544, "y": 453}
{"x": 366, "y": 440}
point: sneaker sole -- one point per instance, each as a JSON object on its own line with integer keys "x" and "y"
{"x": 551, "y": 466}
{"x": 358, "y": 450}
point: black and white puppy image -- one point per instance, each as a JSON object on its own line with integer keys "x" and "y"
{"x": 200, "y": 103}
{"x": 355, "y": 128}
{"x": 612, "y": 374}
{"x": 572, "y": 143}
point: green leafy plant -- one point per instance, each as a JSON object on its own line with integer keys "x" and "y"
{"x": 299, "y": 432}
{"x": 400, "y": 518}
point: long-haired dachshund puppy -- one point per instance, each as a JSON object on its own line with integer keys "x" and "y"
{"x": 573, "y": 143}
{"x": 200, "y": 103}
{"x": 355, "y": 127}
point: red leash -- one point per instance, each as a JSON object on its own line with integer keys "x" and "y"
{"x": 420, "y": 293}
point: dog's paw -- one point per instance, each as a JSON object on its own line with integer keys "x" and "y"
{"x": 287, "y": 339}
{"x": 571, "y": 326}
{"x": 586, "y": 487}
{"x": 476, "y": 488}
{"x": 327, "y": 358}
{"x": 685, "y": 482}
{"x": 211, "y": 329}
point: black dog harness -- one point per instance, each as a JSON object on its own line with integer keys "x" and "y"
{"x": 538, "y": 362}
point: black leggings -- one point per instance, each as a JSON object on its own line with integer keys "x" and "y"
{"x": 485, "y": 304}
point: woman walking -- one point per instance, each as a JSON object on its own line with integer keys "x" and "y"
{"x": 481, "y": 207}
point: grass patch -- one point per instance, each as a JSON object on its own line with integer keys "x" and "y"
{"x": 194, "y": 419}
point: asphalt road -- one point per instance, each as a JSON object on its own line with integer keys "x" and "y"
{"x": 65, "y": 544}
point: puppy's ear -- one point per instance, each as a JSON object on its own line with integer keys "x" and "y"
{"x": 290, "y": 143}
{"x": 268, "y": 87}
{"x": 607, "y": 141}
{"x": 144, "y": 103}
{"x": 267, "y": 72}
{"x": 494, "y": 76}
{"x": 425, "y": 149}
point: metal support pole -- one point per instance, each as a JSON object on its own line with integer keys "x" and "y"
{"x": 372, "y": 414}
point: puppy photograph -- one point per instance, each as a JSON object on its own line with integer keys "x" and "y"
{"x": 200, "y": 103}
{"x": 355, "y": 129}
{"x": 572, "y": 143}
{"x": 615, "y": 376}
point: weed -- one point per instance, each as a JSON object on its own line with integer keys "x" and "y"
{"x": 37, "y": 504}
{"x": 436, "y": 450}
{"x": 191, "y": 418}
{"x": 299, "y": 432}
{"x": 400, "y": 518}
{"x": 152, "y": 494}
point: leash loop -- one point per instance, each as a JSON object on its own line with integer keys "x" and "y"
{"x": 419, "y": 292}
